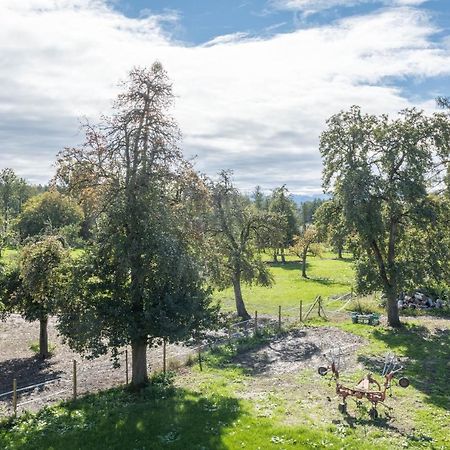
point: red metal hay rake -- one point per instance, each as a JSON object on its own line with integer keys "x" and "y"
{"x": 368, "y": 387}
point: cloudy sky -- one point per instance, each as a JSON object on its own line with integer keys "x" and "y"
{"x": 255, "y": 80}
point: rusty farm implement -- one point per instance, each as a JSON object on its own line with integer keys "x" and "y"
{"x": 368, "y": 387}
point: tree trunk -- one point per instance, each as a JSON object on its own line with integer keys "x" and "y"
{"x": 139, "y": 376}
{"x": 340, "y": 252}
{"x": 240, "y": 306}
{"x": 275, "y": 256}
{"x": 283, "y": 258}
{"x": 43, "y": 338}
{"x": 304, "y": 263}
{"x": 392, "y": 309}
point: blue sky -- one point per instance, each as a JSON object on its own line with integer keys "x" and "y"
{"x": 255, "y": 80}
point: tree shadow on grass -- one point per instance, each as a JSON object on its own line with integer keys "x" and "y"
{"x": 288, "y": 265}
{"x": 426, "y": 359}
{"x": 384, "y": 423}
{"x": 117, "y": 419}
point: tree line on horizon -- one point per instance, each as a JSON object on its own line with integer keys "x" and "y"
{"x": 158, "y": 237}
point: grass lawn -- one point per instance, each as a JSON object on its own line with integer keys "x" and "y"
{"x": 226, "y": 406}
{"x": 327, "y": 276}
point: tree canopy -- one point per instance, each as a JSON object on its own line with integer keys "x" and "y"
{"x": 140, "y": 280}
{"x": 49, "y": 213}
{"x": 235, "y": 224}
{"x": 380, "y": 171}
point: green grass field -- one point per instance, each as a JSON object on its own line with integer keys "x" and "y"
{"x": 227, "y": 407}
{"x": 327, "y": 276}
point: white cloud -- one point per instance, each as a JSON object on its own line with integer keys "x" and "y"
{"x": 253, "y": 105}
{"x": 307, "y": 7}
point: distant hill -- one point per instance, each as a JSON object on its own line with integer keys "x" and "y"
{"x": 299, "y": 199}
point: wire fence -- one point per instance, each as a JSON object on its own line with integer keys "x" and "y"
{"x": 80, "y": 376}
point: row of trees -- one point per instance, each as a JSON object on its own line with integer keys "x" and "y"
{"x": 158, "y": 235}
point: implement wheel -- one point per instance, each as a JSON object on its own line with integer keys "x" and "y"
{"x": 373, "y": 413}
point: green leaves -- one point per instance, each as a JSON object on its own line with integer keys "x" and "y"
{"x": 381, "y": 172}
{"x": 49, "y": 213}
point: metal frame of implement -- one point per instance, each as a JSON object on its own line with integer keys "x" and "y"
{"x": 368, "y": 387}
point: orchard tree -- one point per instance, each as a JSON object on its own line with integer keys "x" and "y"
{"x": 381, "y": 171}
{"x": 281, "y": 205}
{"x": 302, "y": 244}
{"x": 141, "y": 278}
{"x": 34, "y": 288}
{"x": 307, "y": 210}
{"x": 331, "y": 225}
{"x": 235, "y": 224}
{"x": 49, "y": 213}
{"x": 13, "y": 192}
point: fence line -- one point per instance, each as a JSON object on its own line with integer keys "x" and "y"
{"x": 238, "y": 330}
{"x": 40, "y": 399}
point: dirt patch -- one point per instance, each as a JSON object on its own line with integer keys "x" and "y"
{"x": 53, "y": 377}
{"x": 300, "y": 349}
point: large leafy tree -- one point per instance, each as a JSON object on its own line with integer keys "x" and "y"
{"x": 49, "y": 213}
{"x": 303, "y": 243}
{"x": 281, "y": 205}
{"x": 140, "y": 279}
{"x": 235, "y": 224}
{"x": 380, "y": 171}
{"x": 35, "y": 287}
{"x": 331, "y": 225}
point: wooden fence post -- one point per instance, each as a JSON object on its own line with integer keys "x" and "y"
{"x": 164, "y": 355}
{"x": 126, "y": 366}
{"x": 14, "y": 399}
{"x": 200, "y": 359}
{"x": 256, "y": 323}
{"x": 301, "y": 310}
{"x": 279, "y": 318}
{"x": 320, "y": 305}
{"x": 74, "y": 379}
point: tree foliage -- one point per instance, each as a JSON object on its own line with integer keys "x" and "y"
{"x": 49, "y": 213}
{"x": 284, "y": 208}
{"x": 140, "y": 280}
{"x": 235, "y": 224}
{"x": 35, "y": 287}
{"x": 381, "y": 171}
{"x": 302, "y": 244}
{"x": 13, "y": 193}
{"x": 331, "y": 225}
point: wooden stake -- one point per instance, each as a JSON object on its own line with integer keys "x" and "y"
{"x": 200, "y": 359}
{"x": 279, "y": 318}
{"x": 126, "y": 366}
{"x": 164, "y": 355}
{"x": 312, "y": 307}
{"x": 256, "y": 323}
{"x": 14, "y": 399}
{"x": 301, "y": 311}
{"x": 74, "y": 379}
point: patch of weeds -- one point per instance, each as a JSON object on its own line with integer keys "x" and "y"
{"x": 34, "y": 347}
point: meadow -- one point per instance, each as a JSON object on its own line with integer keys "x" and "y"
{"x": 264, "y": 392}
{"x": 229, "y": 405}
{"x": 328, "y": 276}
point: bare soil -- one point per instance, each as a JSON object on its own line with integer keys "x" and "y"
{"x": 18, "y": 361}
{"x": 308, "y": 347}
